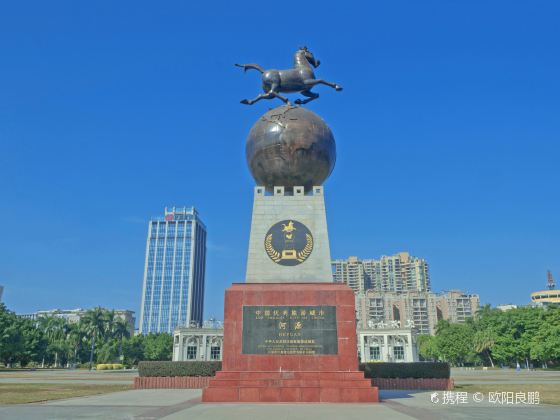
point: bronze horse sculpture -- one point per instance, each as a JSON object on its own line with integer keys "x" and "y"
{"x": 300, "y": 79}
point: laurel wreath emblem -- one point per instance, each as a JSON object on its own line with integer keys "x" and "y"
{"x": 277, "y": 256}
{"x": 272, "y": 253}
{"x": 306, "y": 251}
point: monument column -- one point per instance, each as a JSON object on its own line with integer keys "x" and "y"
{"x": 289, "y": 330}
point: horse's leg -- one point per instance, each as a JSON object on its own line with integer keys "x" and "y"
{"x": 282, "y": 98}
{"x": 310, "y": 95}
{"x": 268, "y": 95}
{"x": 275, "y": 84}
{"x": 313, "y": 82}
{"x": 251, "y": 66}
{"x": 272, "y": 93}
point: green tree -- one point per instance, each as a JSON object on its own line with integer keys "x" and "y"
{"x": 427, "y": 347}
{"x": 483, "y": 342}
{"x": 158, "y": 346}
{"x": 108, "y": 352}
{"x": 454, "y": 342}
{"x": 545, "y": 344}
{"x": 94, "y": 325}
{"x": 119, "y": 331}
{"x": 514, "y": 332}
{"x": 12, "y": 341}
{"x": 110, "y": 322}
{"x": 54, "y": 329}
{"x": 133, "y": 350}
{"x": 35, "y": 342}
{"x": 76, "y": 339}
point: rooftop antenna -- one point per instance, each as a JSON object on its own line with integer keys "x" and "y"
{"x": 550, "y": 281}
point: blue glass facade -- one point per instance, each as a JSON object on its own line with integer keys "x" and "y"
{"x": 173, "y": 290}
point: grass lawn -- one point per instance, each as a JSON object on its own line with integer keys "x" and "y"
{"x": 548, "y": 393}
{"x": 28, "y": 393}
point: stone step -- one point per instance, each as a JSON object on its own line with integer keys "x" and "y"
{"x": 331, "y": 375}
{"x": 290, "y": 394}
{"x": 299, "y": 383}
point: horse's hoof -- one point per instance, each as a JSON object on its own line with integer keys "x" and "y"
{"x": 338, "y": 88}
{"x": 245, "y": 102}
{"x": 298, "y": 101}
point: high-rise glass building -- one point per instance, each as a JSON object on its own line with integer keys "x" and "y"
{"x": 173, "y": 290}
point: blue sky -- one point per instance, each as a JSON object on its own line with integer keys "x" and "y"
{"x": 447, "y": 133}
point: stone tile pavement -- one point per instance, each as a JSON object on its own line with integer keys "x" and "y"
{"x": 185, "y": 404}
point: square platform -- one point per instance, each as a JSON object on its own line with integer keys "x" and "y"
{"x": 308, "y": 367}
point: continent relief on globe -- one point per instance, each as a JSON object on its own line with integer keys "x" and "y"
{"x": 290, "y": 146}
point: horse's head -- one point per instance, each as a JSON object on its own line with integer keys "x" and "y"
{"x": 310, "y": 57}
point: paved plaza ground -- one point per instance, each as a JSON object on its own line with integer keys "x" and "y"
{"x": 185, "y": 404}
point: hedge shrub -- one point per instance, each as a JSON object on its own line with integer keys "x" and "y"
{"x": 406, "y": 370}
{"x": 178, "y": 368}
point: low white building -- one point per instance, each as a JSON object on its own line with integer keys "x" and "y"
{"x": 506, "y": 307}
{"x": 195, "y": 343}
{"x": 387, "y": 345}
{"x": 377, "y": 343}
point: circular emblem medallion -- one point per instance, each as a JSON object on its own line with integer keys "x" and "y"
{"x": 288, "y": 242}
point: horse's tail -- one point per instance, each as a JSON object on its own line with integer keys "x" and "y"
{"x": 251, "y": 66}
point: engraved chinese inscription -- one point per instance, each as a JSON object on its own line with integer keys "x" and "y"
{"x": 289, "y": 330}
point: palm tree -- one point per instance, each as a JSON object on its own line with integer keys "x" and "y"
{"x": 43, "y": 324}
{"x": 94, "y": 322}
{"x": 75, "y": 337}
{"x": 483, "y": 341}
{"x": 54, "y": 329}
{"x": 485, "y": 311}
{"x": 120, "y": 331}
{"x": 110, "y": 322}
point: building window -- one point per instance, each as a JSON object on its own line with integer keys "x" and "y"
{"x": 398, "y": 351}
{"x": 214, "y": 353}
{"x": 191, "y": 352}
{"x": 396, "y": 313}
{"x": 374, "y": 353}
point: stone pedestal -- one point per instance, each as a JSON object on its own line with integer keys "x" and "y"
{"x": 285, "y": 206}
{"x": 290, "y": 343}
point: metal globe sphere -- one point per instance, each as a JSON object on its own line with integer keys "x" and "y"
{"x": 290, "y": 146}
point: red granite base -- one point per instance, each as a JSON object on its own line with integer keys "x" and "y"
{"x": 290, "y": 378}
{"x": 262, "y": 386}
